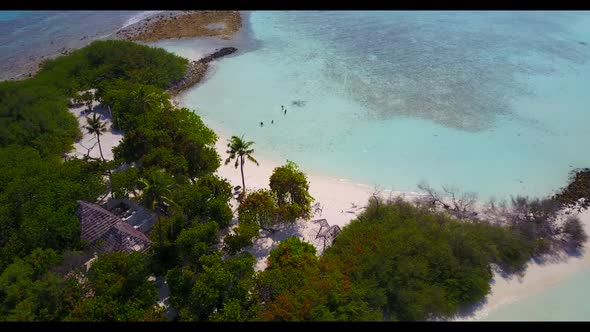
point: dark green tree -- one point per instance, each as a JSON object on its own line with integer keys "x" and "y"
{"x": 117, "y": 289}
{"x": 126, "y": 182}
{"x": 29, "y": 291}
{"x": 88, "y": 99}
{"x": 291, "y": 189}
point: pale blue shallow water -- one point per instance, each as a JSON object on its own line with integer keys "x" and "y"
{"x": 494, "y": 103}
{"x": 566, "y": 301}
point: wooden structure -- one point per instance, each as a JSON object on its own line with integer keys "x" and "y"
{"x": 106, "y": 233}
{"x": 326, "y": 232}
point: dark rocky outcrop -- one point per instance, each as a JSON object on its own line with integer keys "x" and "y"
{"x": 197, "y": 69}
{"x": 218, "y": 54}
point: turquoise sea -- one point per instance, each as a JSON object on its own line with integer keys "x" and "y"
{"x": 490, "y": 102}
{"x": 565, "y": 301}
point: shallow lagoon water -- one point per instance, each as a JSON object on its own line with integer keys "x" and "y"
{"x": 493, "y": 103}
{"x": 565, "y": 301}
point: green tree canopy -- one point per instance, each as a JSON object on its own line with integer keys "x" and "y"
{"x": 176, "y": 140}
{"x": 38, "y": 201}
{"x": 206, "y": 200}
{"x": 117, "y": 289}
{"x": 291, "y": 188}
{"x": 217, "y": 289}
{"x": 29, "y": 291}
{"x": 35, "y": 114}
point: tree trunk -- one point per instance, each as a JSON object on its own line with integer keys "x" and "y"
{"x": 242, "y": 169}
{"x": 160, "y": 231}
{"x": 99, "y": 147}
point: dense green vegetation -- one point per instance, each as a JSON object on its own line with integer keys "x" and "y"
{"x": 298, "y": 286}
{"x": 286, "y": 201}
{"x": 34, "y": 112}
{"x": 116, "y": 289}
{"x": 38, "y": 201}
{"x": 30, "y": 291}
{"x": 39, "y": 190}
{"x": 397, "y": 261}
{"x": 109, "y": 60}
{"x": 167, "y": 138}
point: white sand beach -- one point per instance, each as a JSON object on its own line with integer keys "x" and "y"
{"x": 88, "y": 145}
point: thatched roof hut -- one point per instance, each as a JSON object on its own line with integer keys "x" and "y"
{"x": 106, "y": 232}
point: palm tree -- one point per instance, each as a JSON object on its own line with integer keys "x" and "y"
{"x": 88, "y": 99}
{"x": 148, "y": 100}
{"x": 96, "y": 127}
{"x": 238, "y": 149}
{"x": 155, "y": 195}
{"x": 156, "y": 191}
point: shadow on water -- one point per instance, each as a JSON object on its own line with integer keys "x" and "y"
{"x": 470, "y": 311}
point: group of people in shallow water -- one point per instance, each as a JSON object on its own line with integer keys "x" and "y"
{"x": 273, "y": 121}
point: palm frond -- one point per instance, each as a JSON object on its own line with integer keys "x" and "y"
{"x": 253, "y": 160}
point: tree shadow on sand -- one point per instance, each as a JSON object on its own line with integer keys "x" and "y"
{"x": 269, "y": 240}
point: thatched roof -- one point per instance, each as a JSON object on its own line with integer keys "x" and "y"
{"x": 95, "y": 221}
{"x": 106, "y": 232}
